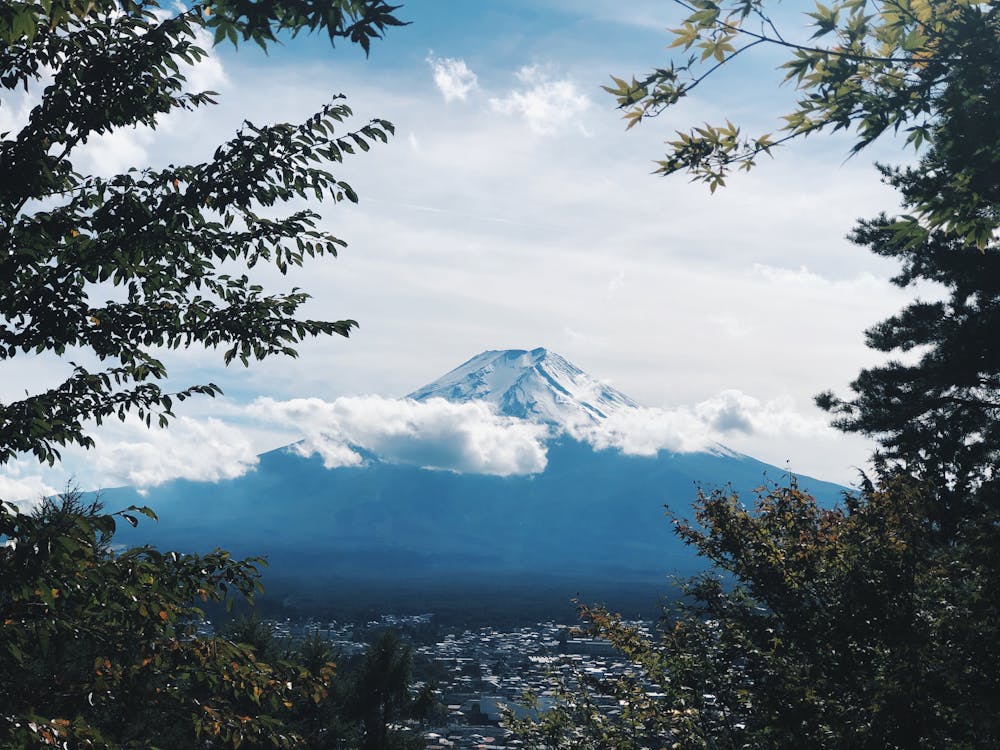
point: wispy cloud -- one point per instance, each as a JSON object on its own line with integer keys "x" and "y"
{"x": 616, "y": 283}
{"x": 452, "y": 77}
{"x": 549, "y": 105}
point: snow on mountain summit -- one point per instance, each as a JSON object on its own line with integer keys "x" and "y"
{"x": 538, "y": 385}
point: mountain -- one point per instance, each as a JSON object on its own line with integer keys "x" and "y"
{"x": 592, "y": 518}
{"x": 537, "y": 385}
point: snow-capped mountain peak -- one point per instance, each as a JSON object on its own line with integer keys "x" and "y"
{"x": 538, "y": 385}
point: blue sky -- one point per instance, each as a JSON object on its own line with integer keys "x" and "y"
{"x": 512, "y": 210}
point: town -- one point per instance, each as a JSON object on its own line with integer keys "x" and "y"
{"x": 477, "y": 674}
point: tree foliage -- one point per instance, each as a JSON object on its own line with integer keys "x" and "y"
{"x": 117, "y": 270}
{"x": 923, "y": 69}
{"x": 369, "y": 697}
{"x": 936, "y": 412}
{"x": 831, "y": 628}
{"x": 380, "y": 694}
{"x": 108, "y": 649}
{"x": 100, "y": 648}
{"x": 861, "y": 626}
{"x": 936, "y": 409}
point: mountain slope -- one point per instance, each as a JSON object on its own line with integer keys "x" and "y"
{"x": 589, "y": 515}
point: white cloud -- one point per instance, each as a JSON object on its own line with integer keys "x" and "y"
{"x": 453, "y": 77}
{"x": 17, "y": 107}
{"x": 22, "y": 484}
{"x": 645, "y": 432}
{"x": 208, "y": 73}
{"x": 804, "y": 278}
{"x": 734, "y": 411}
{"x": 548, "y": 105}
{"x": 111, "y": 153}
{"x": 685, "y": 429}
{"x": 204, "y": 450}
{"x": 436, "y": 434}
{"x": 616, "y": 283}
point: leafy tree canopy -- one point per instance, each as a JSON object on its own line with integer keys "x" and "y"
{"x": 827, "y": 628}
{"x": 120, "y": 269}
{"x": 924, "y": 69}
{"x": 935, "y": 409}
{"x": 100, "y": 648}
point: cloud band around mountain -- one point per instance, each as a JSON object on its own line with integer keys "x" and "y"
{"x": 686, "y": 429}
{"x": 436, "y": 434}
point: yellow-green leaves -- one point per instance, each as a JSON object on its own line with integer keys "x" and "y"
{"x": 627, "y": 94}
{"x": 825, "y": 19}
{"x": 872, "y": 68}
